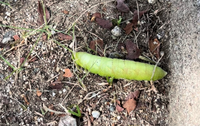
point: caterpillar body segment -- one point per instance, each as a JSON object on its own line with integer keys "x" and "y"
{"x": 118, "y": 68}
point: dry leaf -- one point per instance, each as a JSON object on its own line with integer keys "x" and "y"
{"x": 95, "y": 15}
{"x": 121, "y": 6}
{"x": 154, "y": 47}
{"x": 41, "y": 14}
{"x": 133, "y": 95}
{"x": 128, "y": 28}
{"x": 68, "y": 73}
{"x": 118, "y": 106}
{"x": 64, "y": 37}
{"x": 133, "y": 51}
{"x": 16, "y": 37}
{"x": 66, "y": 12}
{"x": 130, "y": 105}
{"x": 131, "y": 102}
{"x": 104, "y": 23}
{"x": 97, "y": 45}
{"x": 39, "y": 93}
{"x": 56, "y": 85}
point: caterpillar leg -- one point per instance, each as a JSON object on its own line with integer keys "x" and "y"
{"x": 110, "y": 80}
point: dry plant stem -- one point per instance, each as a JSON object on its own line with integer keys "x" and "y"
{"x": 14, "y": 100}
{"x": 156, "y": 66}
{"x": 136, "y": 36}
{"x": 67, "y": 112}
{"x": 67, "y": 94}
{"x": 53, "y": 77}
{"x": 87, "y": 10}
{"x": 94, "y": 35}
{"x": 88, "y": 118}
{"x": 87, "y": 96}
{"x": 37, "y": 113}
{"x": 138, "y": 10}
{"x": 50, "y": 110}
{"x": 120, "y": 41}
{"x": 13, "y": 48}
{"x": 153, "y": 88}
{"x": 99, "y": 92}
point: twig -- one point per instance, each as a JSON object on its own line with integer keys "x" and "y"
{"x": 138, "y": 11}
{"x": 94, "y": 35}
{"x": 154, "y": 69}
{"x": 65, "y": 109}
{"x": 37, "y": 113}
{"x": 50, "y": 110}
{"x": 53, "y": 77}
{"x": 68, "y": 94}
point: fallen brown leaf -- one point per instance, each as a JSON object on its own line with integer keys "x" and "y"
{"x": 104, "y": 23}
{"x": 128, "y": 28}
{"x": 133, "y": 95}
{"x": 97, "y": 45}
{"x": 66, "y": 12}
{"x": 64, "y": 37}
{"x": 56, "y": 85}
{"x": 16, "y": 37}
{"x": 41, "y": 14}
{"x": 95, "y": 15}
{"x": 118, "y": 106}
{"x": 131, "y": 102}
{"x": 68, "y": 73}
{"x": 130, "y": 105}
{"x": 121, "y": 6}
{"x": 154, "y": 47}
{"x": 39, "y": 93}
{"x": 133, "y": 51}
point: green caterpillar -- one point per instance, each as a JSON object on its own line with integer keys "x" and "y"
{"x": 118, "y": 68}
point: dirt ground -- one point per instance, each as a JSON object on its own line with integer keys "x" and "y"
{"x": 39, "y": 94}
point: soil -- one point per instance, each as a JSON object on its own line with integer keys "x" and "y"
{"x": 25, "y": 94}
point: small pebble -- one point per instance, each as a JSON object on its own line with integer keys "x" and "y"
{"x": 95, "y": 114}
{"x": 53, "y": 94}
{"x": 116, "y": 31}
{"x": 64, "y": 90}
{"x": 67, "y": 121}
{"x": 118, "y": 117}
{"x": 151, "y": 1}
{"x": 112, "y": 108}
{"x": 7, "y": 13}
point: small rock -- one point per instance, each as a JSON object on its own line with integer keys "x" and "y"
{"x": 67, "y": 121}
{"x": 112, "y": 108}
{"x": 95, "y": 114}
{"x": 116, "y": 31}
{"x": 151, "y": 1}
{"x": 8, "y": 37}
{"x": 7, "y": 13}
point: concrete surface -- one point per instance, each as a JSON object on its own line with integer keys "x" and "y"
{"x": 185, "y": 63}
